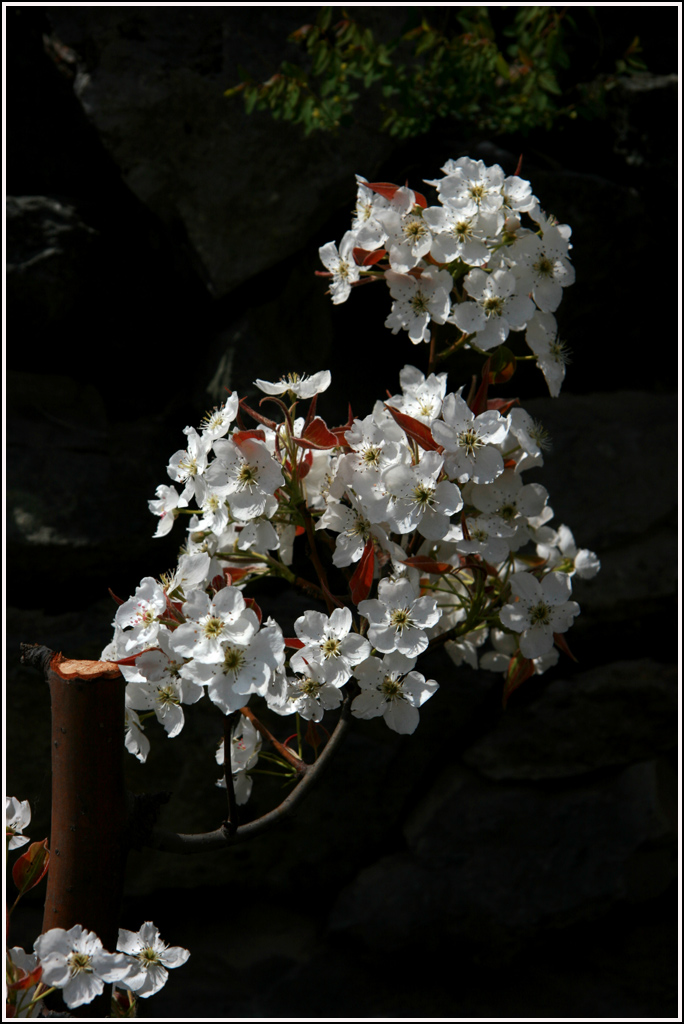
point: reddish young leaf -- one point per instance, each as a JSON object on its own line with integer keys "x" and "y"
{"x": 251, "y": 603}
{"x": 305, "y": 464}
{"x": 131, "y": 658}
{"x": 384, "y": 188}
{"x": 339, "y": 432}
{"x": 362, "y": 580}
{"x": 24, "y": 979}
{"x": 502, "y": 405}
{"x": 420, "y": 200}
{"x": 31, "y": 866}
{"x": 314, "y": 735}
{"x": 293, "y": 641}
{"x": 317, "y": 435}
{"x": 425, "y": 564}
{"x": 519, "y": 671}
{"x": 478, "y": 403}
{"x": 311, "y": 411}
{"x": 118, "y": 600}
{"x": 219, "y": 583}
{"x": 415, "y": 430}
{"x": 234, "y": 574}
{"x": 562, "y": 645}
{"x": 242, "y": 435}
{"x": 367, "y": 257}
{"x": 257, "y": 416}
{"x": 502, "y": 365}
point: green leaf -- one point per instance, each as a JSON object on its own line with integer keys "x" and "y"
{"x": 502, "y": 67}
{"x": 547, "y": 80}
{"x": 292, "y": 71}
{"x": 321, "y": 59}
{"x": 324, "y": 18}
{"x": 251, "y": 97}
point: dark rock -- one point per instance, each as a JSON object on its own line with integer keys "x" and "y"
{"x": 616, "y": 714}
{"x": 49, "y": 255}
{"x": 489, "y": 866}
{"x": 240, "y": 192}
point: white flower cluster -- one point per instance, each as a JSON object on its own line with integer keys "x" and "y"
{"x": 76, "y": 962}
{"x": 427, "y": 527}
{"x": 469, "y": 261}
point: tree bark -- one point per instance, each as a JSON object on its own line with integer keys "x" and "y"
{"x": 88, "y": 841}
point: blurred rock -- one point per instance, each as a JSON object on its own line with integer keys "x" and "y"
{"x": 581, "y": 724}
{"x": 239, "y": 192}
{"x": 488, "y": 866}
{"x": 50, "y": 254}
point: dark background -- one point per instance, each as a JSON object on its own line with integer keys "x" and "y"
{"x": 522, "y": 864}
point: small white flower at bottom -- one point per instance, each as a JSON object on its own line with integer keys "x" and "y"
{"x": 76, "y": 962}
{"x": 148, "y": 959}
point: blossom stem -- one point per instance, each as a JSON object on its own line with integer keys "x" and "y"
{"x": 331, "y": 601}
{"x": 173, "y": 842}
{"x": 284, "y": 751}
{"x": 232, "y": 820}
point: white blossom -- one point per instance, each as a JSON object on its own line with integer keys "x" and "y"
{"x": 149, "y": 959}
{"x": 17, "y": 818}
{"x": 390, "y": 687}
{"x": 76, "y": 962}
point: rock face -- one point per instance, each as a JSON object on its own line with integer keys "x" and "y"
{"x": 152, "y": 83}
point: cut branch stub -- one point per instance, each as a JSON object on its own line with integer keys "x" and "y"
{"x": 88, "y": 839}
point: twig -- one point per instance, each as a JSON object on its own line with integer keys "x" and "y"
{"x": 173, "y": 842}
{"x": 232, "y": 821}
{"x": 284, "y": 751}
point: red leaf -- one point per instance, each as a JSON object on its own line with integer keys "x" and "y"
{"x": 478, "y": 404}
{"x": 340, "y": 432}
{"x": 292, "y": 641}
{"x": 31, "y": 866}
{"x": 24, "y": 979}
{"x": 367, "y": 257}
{"x": 415, "y": 430}
{"x": 502, "y": 405}
{"x": 257, "y": 416}
{"x": 118, "y": 600}
{"x": 388, "y": 191}
{"x": 234, "y": 574}
{"x": 242, "y": 435}
{"x": 131, "y": 659}
{"x": 305, "y": 465}
{"x": 251, "y": 603}
{"x": 362, "y": 580}
{"x": 317, "y": 435}
{"x": 218, "y": 583}
{"x": 428, "y": 565}
{"x": 519, "y": 671}
{"x": 384, "y": 188}
{"x": 562, "y": 645}
{"x": 310, "y": 412}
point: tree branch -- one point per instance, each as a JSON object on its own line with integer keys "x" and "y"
{"x": 173, "y": 842}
